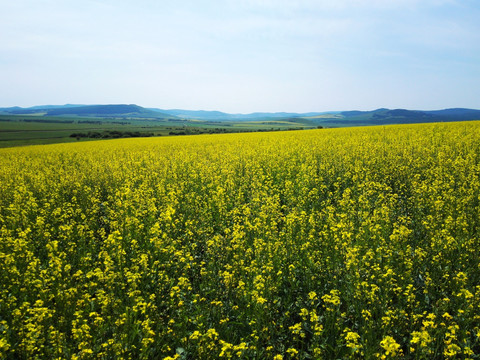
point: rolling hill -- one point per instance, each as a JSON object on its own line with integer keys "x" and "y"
{"x": 103, "y": 111}
{"x": 222, "y": 116}
{"x": 395, "y": 116}
{"x": 335, "y": 118}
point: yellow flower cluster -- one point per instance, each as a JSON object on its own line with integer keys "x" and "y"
{"x": 335, "y": 243}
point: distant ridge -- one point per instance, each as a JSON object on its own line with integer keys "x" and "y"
{"x": 403, "y": 116}
{"x": 104, "y": 110}
{"x": 380, "y": 116}
{"x": 218, "y": 115}
{"x": 120, "y": 110}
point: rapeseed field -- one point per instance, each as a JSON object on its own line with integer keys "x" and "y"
{"x": 357, "y": 243}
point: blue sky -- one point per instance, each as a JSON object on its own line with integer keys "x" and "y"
{"x": 242, "y": 55}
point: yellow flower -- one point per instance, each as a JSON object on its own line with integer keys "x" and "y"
{"x": 292, "y": 351}
{"x": 352, "y": 339}
{"x": 261, "y": 300}
{"x": 304, "y": 313}
{"x": 390, "y": 345}
{"x": 447, "y": 316}
{"x": 451, "y": 350}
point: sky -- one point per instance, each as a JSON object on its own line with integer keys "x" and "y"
{"x": 242, "y": 56}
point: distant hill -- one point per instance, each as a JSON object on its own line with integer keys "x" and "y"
{"x": 395, "y": 116}
{"x": 334, "y": 118}
{"x": 458, "y": 113}
{"x": 34, "y": 110}
{"x": 105, "y": 111}
{"x": 381, "y": 116}
{"x": 222, "y": 116}
{"x": 43, "y": 107}
{"x": 197, "y": 114}
{"x": 108, "y": 111}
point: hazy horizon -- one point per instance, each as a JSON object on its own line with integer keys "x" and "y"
{"x": 242, "y": 56}
{"x": 235, "y": 113}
